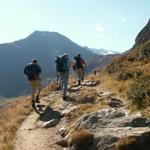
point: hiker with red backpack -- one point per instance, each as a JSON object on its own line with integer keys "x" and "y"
{"x": 80, "y": 68}
{"x": 62, "y": 68}
{"x": 33, "y": 71}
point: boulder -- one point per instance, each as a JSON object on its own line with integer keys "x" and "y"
{"x": 109, "y": 125}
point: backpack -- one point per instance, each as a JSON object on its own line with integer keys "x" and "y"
{"x": 32, "y": 71}
{"x": 62, "y": 64}
{"x": 78, "y": 62}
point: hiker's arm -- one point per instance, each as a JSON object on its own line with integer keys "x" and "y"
{"x": 83, "y": 62}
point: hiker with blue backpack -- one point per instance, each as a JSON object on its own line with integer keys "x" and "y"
{"x": 33, "y": 71}
{"x": 80, "y": 68}
{"x": 62, "y": 68}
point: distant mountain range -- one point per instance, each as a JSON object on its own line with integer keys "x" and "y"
{"x": 43, "y": 45}
{"x": 101, "y": 51}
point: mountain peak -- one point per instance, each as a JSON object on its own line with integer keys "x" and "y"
{"x": 41, "y": 34}
{"x": 144, "y": 34}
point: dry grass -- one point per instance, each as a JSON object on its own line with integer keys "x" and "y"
{"x": 108, "y": 83}
{"x": 13, "y": 114}
{"x": 127, "y": 143}
{"x": 141, "y": 142}
{"x": 78, "y": 139}
{"x": 146, "y": 112}
{"x": 87, "y": 96}
{"x": 82, "y": 138}
{"x": 11, "y": 117}
{"x": 51, "y": 87}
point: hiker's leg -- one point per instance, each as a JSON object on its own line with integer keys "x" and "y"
{"x": 79, "y": 72}
{"x": 33, "y": 90}
{"x": 61, "y": 81}
{"x": 82, "y": 74}
{"x": 75, "y": 76}
{"x": 78, "y": 75}
{"x": 39, "y": 87}
{"x": 64, "y": 82}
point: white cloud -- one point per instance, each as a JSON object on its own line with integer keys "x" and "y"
{"x": 99, "y": 28}
{"x": 123, "y": 19}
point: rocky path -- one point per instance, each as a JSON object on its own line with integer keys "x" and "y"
{"x": 41, "y": 131}
{"x": 32, "y": 136}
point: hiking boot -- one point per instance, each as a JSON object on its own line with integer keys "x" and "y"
{"x": 37, "y": 99}
{"x": 64, "y": 97}
{"x": 79, "y": 82}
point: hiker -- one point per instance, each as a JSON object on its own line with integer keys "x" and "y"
{"x": 74, "y": 68}
{"x": 95, "y": 72}
{"x": 80, "y": 68}
{"x": 33, "y": 71}
{"x": 62, "y": 68}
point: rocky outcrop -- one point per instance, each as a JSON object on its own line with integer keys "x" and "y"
{"x": 109, "y": 125}
{"x": 144, "y": 35}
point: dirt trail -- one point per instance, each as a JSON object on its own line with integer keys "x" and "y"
{"x": 31, "y": 136}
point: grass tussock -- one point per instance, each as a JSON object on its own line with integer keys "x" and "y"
{"x": 11, "y": 116}
{"x": 134, "y": 142}
{"x": 82, "y": 138}
{"x": 87, "y": 96}
{"x": 78, "y": 139}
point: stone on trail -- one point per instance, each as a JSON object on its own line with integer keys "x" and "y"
{"x": 50, "y": 123}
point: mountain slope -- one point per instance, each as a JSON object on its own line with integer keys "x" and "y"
{"x": 45, "y": 46}
{"x": 129, "y": 74}
{"x": 136, "y": 60}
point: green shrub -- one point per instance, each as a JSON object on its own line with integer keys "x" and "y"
{"x": 139, "y": 92}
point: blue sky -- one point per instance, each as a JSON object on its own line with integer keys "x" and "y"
{"x": 108, "y": 24}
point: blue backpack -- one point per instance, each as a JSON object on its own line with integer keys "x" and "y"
{"x": 62, "y": 63}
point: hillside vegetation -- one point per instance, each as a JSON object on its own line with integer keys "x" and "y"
{"x": 11, "y": 116}
{"x": 131, "y": 73}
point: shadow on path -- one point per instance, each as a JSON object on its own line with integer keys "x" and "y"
{"x": 49, "y": 114}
